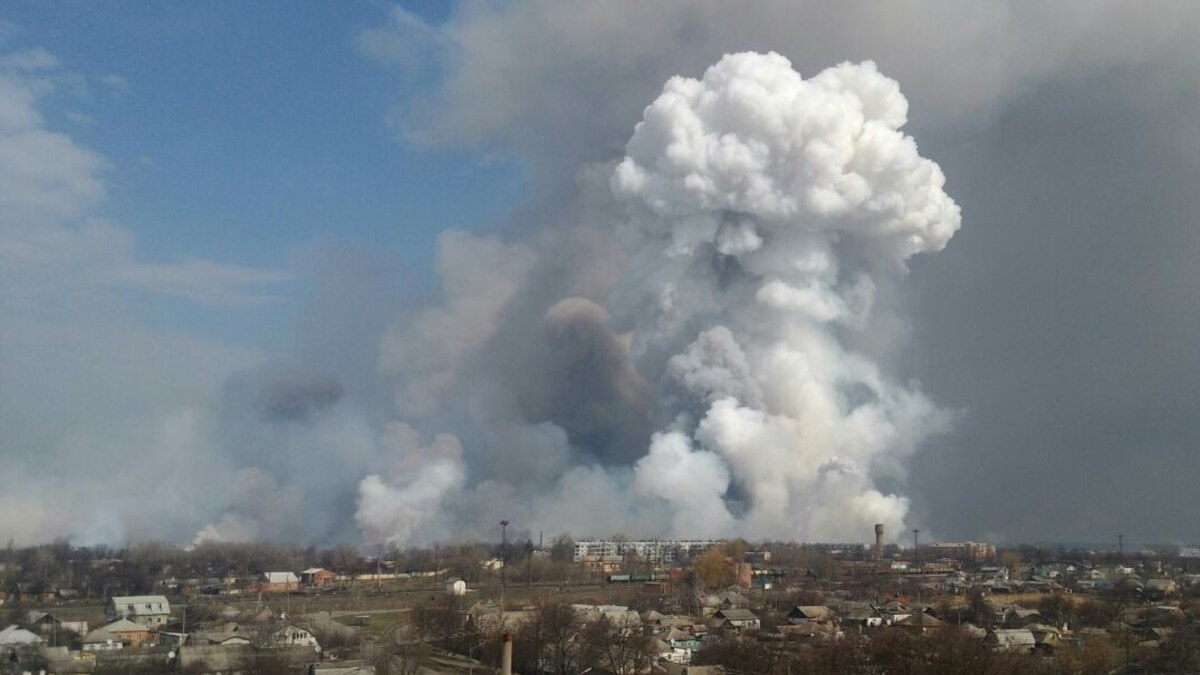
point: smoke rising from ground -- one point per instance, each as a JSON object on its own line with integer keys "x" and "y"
{"x": 759, "y": 207}
{"x": 582, "y": 390}
{"x": 762, "y": 205}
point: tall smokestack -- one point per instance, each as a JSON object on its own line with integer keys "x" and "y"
{"x": 506, "y": 655}
{"x": 879, "y": 541}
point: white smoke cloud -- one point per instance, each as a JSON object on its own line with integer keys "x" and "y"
{"x": 415, "y": 488}
{"x": 758, "y": 212}
{"x": 761, "y": 204}
{"x": 692, "y": 481}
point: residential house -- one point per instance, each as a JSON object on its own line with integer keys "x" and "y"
{"x": 617, "y": 615}
{"x": 1021, "y": 617}
{"x": 919, "y": 623}
{"x": 48, "y": 624}
{"x": 993, "y": 573}
{"x": 737, "y": 619}
{"x": 150, "y": 611}
{"x": 14, "y": 636}
{"x": 100, "y": 640}
{"x": 733, "y": 600}
{"x": 221, "y": 634}
{"x": 134, "y": 635}
{"x": 290, "y": 635}
{"x": 891, "y": 612}
{"x": 860, "y": 614}
{"x": 810, "y": 614}
{"x": 276, "y": 582}
{"x": 1011, "y": 640}
{"x": 1047, "y": 638}
{"x": 317, "y": 577}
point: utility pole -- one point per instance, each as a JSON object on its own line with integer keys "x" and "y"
{"x": 529, "y": 561}
{"x": 1120, "y": 548}
{"x": 503, "y": 565}
{"x": 916, "y": 551}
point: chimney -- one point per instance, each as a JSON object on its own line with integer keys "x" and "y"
{"x": 506, "y": 655}
{"x": 879, "y": 541}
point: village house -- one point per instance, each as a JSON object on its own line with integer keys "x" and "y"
{"x": 893, "y": 612}
{"x": 290, "y": 635}
{"x": 617, "y": 615}
{"x": 919, "y": 623}
{"x": 48, "y": 624}
{"x": 737, "y": 619}
{"x": 810, "y": 614}
{"x": 151, "y": 611}
{"x": 276, "y": 582}
{"x": 133, "y": 635}
{"x": 317, "y": 577}
{"x": 226, "y": 633}
{"x": 733, "y": 600}
{"x": 100, "y": 640}
{"x": 1011, "y": 639}
{"x": 14, "y": 635}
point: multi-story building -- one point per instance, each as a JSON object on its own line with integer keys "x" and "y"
{"x": 967, "y": 550}
{"x": 151, "y": 611}
{"x": 655, "y": 551}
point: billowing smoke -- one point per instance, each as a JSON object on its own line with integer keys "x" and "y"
{"x": 758, "y": 214}
{"x": 763, "y": 206}
{"x": 685, "y": 343}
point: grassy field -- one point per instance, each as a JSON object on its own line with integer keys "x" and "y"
{"x": 378, "y": 624}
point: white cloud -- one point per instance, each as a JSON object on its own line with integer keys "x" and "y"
{"x": 405, "y": 40}
{"x": 201, "y": 281}
{"x": 96, "y": 409}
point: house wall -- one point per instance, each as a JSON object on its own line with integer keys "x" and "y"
{"x": 136, "y": 638}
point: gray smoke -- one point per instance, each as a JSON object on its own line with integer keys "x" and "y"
{"x": 741, "y": 191}
{"x": 534, "y": 381}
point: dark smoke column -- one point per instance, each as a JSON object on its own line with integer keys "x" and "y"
{"x": 879, "y": 541}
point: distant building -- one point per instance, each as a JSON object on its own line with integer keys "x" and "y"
{"x": 810, "y": 614}
{"x": 14, "y": 635}
{"x": 132, "y": 635}
{"x": 291, "y": 635}
{"x": 277, "y": 582}
{"x": 150, "y": 611}
{"x": 738, "y": 619}
{"x": 1011, "y": 640}
{"x": 317, "y": 577}
{"x": 966, "y": 550}
{"x": 100, "y": 640}
{"x": 654, "y": 551}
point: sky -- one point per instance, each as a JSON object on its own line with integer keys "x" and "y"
{"x": 321, "y": 272}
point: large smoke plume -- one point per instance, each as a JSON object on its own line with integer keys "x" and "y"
{"x": 759, "y": 211}
{"x": 738, "y": 359}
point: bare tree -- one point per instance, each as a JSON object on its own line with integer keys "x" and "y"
{"x": 406, "y": 659}
{"x": 620, "y": 649}
{"x": 549, "y": 641}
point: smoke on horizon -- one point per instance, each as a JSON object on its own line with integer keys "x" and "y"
{"x": 715, "y": 394}
{"x": 694, "y": 321}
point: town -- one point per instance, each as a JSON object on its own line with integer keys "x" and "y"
{"x": 612, "y": 605}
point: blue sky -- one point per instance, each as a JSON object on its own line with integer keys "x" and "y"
{"x": 249, "y": 146}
